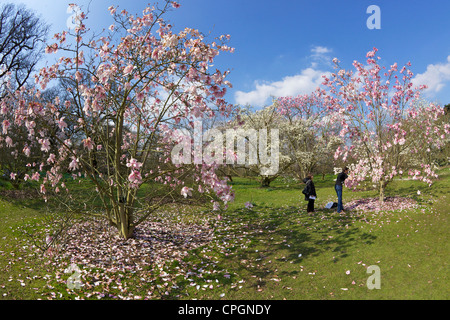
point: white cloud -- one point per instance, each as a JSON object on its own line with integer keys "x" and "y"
{"x": 320, "y": 50}
{"x": 305, "y": 82}
{"x": 435, "y": 77}
{"x": 319, "y": 56}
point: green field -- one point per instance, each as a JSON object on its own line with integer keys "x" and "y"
{"x": 274, "y": 250}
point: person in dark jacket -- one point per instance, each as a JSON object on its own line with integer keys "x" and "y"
{"x": 338, "y": 187}
{"x": 310, "y": 193}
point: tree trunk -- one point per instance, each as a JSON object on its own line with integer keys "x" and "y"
{"x": 124, "y": 222}
{"x": 15, "y": 184}
{"x": 382, "y": 188}
{"x": 124, "y": 208}
{"x": 124, "y": 216}
{"x": 265, "y": 182}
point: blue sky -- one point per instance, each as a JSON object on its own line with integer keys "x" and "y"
{"x": 283, "y": 47}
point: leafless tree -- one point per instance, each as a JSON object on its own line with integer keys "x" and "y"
{"x": 22, "y": 37}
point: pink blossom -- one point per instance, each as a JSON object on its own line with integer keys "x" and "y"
{"x": 185, "y": 192}
{"x": 27, "y": 151}
{"x": 128, "y": 69}
{"x": 78, "y": 76}
{"x": 35, "y": 176}
{"x": 88, "y": 144}
{"x": 134, "y": 164}
{"x": 156, "y": 53}
{"x": 135, "y": 178}
{"x": 52, "y": 48}
{"x": 9, "y": 142}
{"x": 45, "y": 145}
{"x": 6, "y": 125}
{"x": 51, "y": 158}
{"x": 73, "y": 165}
{"x": 62, "y": 124}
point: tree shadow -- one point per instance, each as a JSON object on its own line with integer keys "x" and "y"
{"x": 295, "y": 234}
{"x": 29, "y": 198}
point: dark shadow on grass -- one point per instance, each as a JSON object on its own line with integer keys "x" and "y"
{"x": 289, "y": 235}
{"x": 25, "y": 198}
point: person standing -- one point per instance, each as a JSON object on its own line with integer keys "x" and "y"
{"x": 310, "y": 193}
{"x": 338, "y": 187}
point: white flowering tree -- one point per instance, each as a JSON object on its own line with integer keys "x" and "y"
{"x": 310, "y": 135}
{"x": 261, "y": 132}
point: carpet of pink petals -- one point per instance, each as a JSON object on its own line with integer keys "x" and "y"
{"x": 109, "y": 264}
{"x": 373, "y": 204}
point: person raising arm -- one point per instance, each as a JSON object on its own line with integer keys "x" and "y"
{"x": 338, "y": 187}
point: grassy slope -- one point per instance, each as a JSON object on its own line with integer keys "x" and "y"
{"x": 410, "y": 247}
{"x": 277, "y": 251}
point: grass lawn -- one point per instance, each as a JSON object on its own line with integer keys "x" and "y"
{"x": 274, "y": 250}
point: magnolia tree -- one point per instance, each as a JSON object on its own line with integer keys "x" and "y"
{"x": 310, "y": 135}
{"x": 385, "y": 127}
{"x": 430, "y": 131}
{"x": 128, "y": 87}
{"x": 15, "y": 153}
{"x": 18, "y": 153}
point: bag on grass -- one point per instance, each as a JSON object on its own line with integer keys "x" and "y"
{"x": 331, "y": 205}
